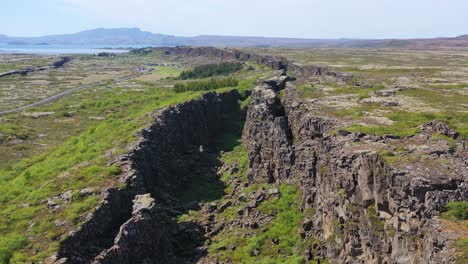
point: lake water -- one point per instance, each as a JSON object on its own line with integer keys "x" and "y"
{"x": 65, "y": 49}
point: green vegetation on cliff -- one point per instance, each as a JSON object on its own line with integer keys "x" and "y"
{"x": 462, "y": 255}
{"x": 36, "y": 213}
{"x": 456, "y": 211}
{"x": 279, "y": 242}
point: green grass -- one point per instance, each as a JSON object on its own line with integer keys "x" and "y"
{"x": 462, "y": 246}
{"x": 449, "y": 86}
{"x": 361, "y": 93}
{"x": 456, "y": 211}
{"x": 389, "y": 71}
{"x": 448, "y": 101}
{"x": 79, "y": 162}
{"x": 15, "y": 130}
{"x": 374, "y": 218}
{"x": 9, "y": 244}
{"x": 308, "y": 91}
{"x": 77, "y": 155}
{"x": 406, "y": 123}
{"x": 284, "y": 229}
{"x": 390, "y": 157}
{"x": 165, "y": 71}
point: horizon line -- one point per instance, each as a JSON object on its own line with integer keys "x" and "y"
{"x": 239, "y": 36}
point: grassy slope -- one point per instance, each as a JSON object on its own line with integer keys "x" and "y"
{"x": 28, "y": 230}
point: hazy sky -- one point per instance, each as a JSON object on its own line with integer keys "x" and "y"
{"x": 285, "y": 18}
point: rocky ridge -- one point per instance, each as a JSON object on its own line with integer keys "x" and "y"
{"x": 136, "y": 223}
{"x": 56, "y": 65}
{"x": 276, "y": 63}
{"x": 366, "y": 209}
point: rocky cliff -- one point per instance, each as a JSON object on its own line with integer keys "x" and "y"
{"x": 276, "y": 63}
{"x": 136, "y": 223}
{"x": 366, "y": 210}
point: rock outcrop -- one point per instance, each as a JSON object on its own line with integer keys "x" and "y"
{"x": 276, "y": 63}
{"x": 137, "y": 223}
{"x": 439, "y": 127}
{"x": 367, "y": 210}
{"x": 57, "y": 64}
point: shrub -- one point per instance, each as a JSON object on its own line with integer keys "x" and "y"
{"x": 456, "y": 211}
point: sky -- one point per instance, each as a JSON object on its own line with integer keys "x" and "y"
{"x": 269, "y": 18}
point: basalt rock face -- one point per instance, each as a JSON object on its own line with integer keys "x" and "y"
{"x": 136, "y": 224}
{"x": 276, "y": 63}
{"x": 367, "y": 211}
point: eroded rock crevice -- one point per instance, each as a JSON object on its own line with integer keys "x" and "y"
{"x": 139, "y": 222}
{"x": 366, "y": 210}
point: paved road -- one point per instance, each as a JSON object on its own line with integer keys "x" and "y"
{"x": 67, "y": 92}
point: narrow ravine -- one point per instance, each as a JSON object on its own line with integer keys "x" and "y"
{"x": 169, "y": 172}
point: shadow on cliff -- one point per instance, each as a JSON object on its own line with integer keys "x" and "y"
{"x": 204, "y": 186}
{"x": 176, "y": 163}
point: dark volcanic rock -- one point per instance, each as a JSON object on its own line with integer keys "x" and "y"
{"x": 149, "y": 235}
{"x": 366, "y": 211}
{"x": 160, "y": 165}
{"x": 439, "y": 127}
{"x": 61, "y": 62}
{"x": 276, "y": 63}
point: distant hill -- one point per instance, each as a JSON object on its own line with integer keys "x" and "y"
{"x": 135, "y": 36}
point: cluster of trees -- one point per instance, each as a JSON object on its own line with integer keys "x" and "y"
{"x": 205, "y": 85}
{"x": 106, "y": 54}
{"x": 209, "y": 70}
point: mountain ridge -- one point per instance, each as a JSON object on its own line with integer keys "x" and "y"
{"x": 136, "y": 36}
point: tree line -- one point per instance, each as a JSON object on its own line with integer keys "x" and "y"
{"x": 205, "y": 85}
{"x": 209, "y": 70}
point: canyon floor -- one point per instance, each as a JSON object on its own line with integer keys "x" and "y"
{"x": 314, "y": 156}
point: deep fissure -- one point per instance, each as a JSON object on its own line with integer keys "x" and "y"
{"x": 176, "y": 174}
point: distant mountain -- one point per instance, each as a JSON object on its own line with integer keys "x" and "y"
{"x": 100, "y": 36}
{"x": 135, "y": 36}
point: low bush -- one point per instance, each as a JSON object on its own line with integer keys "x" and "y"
{"x": 456, "y": 211}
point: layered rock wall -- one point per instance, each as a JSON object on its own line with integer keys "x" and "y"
{"x": 159, "y": 165}
{"x": 276, "y": 63}
{"x": 366, "y": 210}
